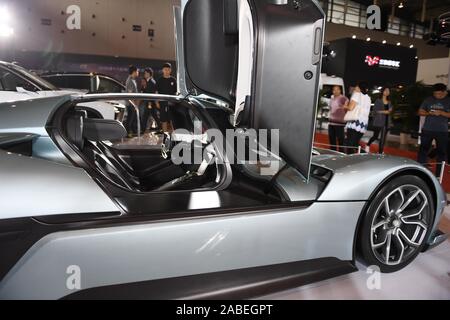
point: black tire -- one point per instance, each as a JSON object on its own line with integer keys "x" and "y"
{"x": 376, "y": 214}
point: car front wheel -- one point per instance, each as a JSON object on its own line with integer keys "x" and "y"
{"x": 397, "y": 224}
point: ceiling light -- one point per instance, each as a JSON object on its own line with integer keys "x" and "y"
{"x": 4, "y": 13}
{"x": 368, "y": 39}
{"x": 399, "y": 44}
{"x": 6, "y": 31}
{"x": 354, "y": 37}
{"x": 384, "y": 41}
{"x": 401, "y": 6}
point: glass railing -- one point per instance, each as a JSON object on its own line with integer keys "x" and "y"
{"x": 354, "y": 14}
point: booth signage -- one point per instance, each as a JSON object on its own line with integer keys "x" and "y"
{"x": 373, "y": 61}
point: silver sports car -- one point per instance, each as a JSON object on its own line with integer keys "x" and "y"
{"x": 87, "y": 213}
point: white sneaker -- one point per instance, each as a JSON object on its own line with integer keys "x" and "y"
{"x": 367, "y": 149}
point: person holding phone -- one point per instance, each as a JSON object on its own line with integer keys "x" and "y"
{"x": 436, "y": 110}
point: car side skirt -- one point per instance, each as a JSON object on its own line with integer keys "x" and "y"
{"x": 235, "y": 284}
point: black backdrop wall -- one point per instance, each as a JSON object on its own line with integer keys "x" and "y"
{"x": 376, "y": 63}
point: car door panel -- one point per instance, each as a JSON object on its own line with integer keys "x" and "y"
{"x": 178, "y": 248}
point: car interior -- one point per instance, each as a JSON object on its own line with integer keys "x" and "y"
{"x": 139, "y": 166}
{"x": 147, "y": 164}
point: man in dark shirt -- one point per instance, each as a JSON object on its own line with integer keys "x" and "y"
{"x": 436, "y": 109}
{"x": 132, "y": 105}
{"x": 149, "y": 107}
{"x": 166, "y": 85}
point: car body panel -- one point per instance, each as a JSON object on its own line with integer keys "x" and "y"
{"x": 9, "y": 139}
{"x": 47, "y": 188}
{"x": 31, "y": 117}
{"x": 368, "y": 170}
{"x": 181, "y": 248}
{"x": 357, "y": 177}
{"x": 45, "y": 148}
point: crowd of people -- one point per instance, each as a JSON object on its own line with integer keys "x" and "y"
{"x": 349, "y": 121}
{"x": 349, "y": 118}
{"x": 140, "y": 112}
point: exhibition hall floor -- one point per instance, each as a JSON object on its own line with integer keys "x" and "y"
{"x": 428, "y": 277}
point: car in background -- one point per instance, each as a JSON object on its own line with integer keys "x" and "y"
{"x": 18, "y": 83}
{"x": 85, "y": 81}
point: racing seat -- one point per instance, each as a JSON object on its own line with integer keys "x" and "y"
{"x": 87, "y": 133}
{"x": 74, "y": 128}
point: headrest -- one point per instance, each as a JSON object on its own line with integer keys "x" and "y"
{"x": 103, "y": 130}
{"x": 74, "y": 128}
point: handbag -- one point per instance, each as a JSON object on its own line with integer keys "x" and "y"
{"x": 353, "y": 115}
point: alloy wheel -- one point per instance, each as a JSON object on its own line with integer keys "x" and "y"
{"x": 400, "y": 225}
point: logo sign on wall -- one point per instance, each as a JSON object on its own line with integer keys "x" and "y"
{"x": 374, "y": 61}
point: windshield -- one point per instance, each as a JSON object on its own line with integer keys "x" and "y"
{"x": 38, "y": 81}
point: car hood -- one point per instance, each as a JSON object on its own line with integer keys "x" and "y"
{"x": 263, "y": 58}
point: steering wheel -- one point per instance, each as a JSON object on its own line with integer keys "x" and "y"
{"x": 167, "y": 146}
{"x": 210, "y": 158}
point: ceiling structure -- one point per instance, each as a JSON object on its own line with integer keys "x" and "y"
{"x": 413, "y": 9}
